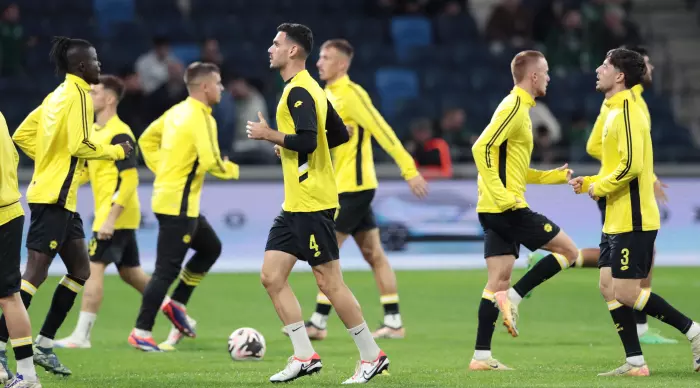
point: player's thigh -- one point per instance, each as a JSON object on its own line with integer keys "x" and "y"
{"x": 276, "y": 267}
{"x": 605, "y": 284}
{"x": 10, "y": 248}
{"x": 315, "y": 236}
{"x": 534, "y": 230}
{"x": 174, "y": 240}
{"x": 48, "y": 228}
{"x": 205, "y": 239}
{"x": 631, "y": 254}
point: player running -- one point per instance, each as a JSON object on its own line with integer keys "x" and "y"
{"x": 181, "y": 147}
{"x": 117, "y": 211}
{"x": 502, "y": 156}
{"x": 11, "y": 224}
{"x": 588, "y": 257}
{"x": 308, "y": 128}
{"x": 57, "y": 136}
{"x": 632, "y": 215}
{"x": 357, "y": 182}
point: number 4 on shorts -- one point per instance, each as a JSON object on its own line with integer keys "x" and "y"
{"x": 313, "y": 246}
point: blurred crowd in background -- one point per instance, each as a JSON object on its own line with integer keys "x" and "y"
{"x": 435, "y": 68}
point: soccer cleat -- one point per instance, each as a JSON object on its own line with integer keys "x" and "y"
{"x": 178, "y": 316}
{"x": 653, "y": 337}
{"x": 509, "y": 311}
{"x": 387, "y": 332}
{"x": 366, "y": 370}
{"x": 315, "y": 333}
{"x": 5, "y": 373}
{"x": 174, "y": 337}
{"x": 490, "y": 364}
{"x": 47, "y": 359}
{"x": 20, "y": 382}
{"x": 72, "y": 343}
{"x": 147, "y": 344}
{"x": 695, "y": 347}
{"x": 298, "y": 368}
{"x": 532, "y": 259}
{"x": 628, "y": 370}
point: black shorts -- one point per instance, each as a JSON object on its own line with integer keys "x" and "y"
{"x": 11, "y": 246}
{"x": 355, "y": 212}
{"x": 630, "y": 255}
{"x": 505, "y": 232}
{"x": 121, "y": 249}
{"x": 307, "y": 236}
{"x": 51, "y": 226}
{"x": 601, "y": 206}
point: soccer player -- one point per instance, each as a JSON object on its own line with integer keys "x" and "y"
{"x": 502, "y": 156}
{"x": 308, "y": 128}
{"x": 181, "y": 147}
{"x": 57, "y": 136}
{"x": 357, "y": 182}
{"x": 11, "y": 224}
{"x": 632, "y": 216}
{"x": 588, "y": 257}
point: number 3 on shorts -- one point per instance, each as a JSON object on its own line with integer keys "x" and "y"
{"x": 625, "y": 259}
{"x": 313, "y": 246}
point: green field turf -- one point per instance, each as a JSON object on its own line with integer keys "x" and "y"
{"x": 566, "y": 335}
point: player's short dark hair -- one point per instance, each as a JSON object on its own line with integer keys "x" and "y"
{"x": 199, "y": 69}
{"x": 300, "y": 34}
{"x": 60, "y": 45}
{"x": 629, "y": 63}
{"x": 341, "y": 45}
{"x": 114, "y": 84}
{"x": 641, "y": 50}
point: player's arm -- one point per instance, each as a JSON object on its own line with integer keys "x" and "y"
{"x": 25, "y": 135}
{"x": 594, "y": 145}
{"x": 208, "y": 153}
{"x": 486, "y": 149}
{"x": 149, "y": 143}
{"x": 550, "y": 177}
{"x": 630, "y": 147}
{"x": 79, "y": 122}
{"x": 84, "y": 176}
{"x": 366, "y": 115}
{"x": 129, "y": 181}
{"x": 302, "y": 108}
{"x": 336, "y": 132}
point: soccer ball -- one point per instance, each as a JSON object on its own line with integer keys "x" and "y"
{"x": 246, "y": 344}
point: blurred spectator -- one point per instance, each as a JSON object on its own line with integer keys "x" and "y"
{"x": 446, "y": 7}
{"x": 212, "y": 53}
{"x": 225, "y": 115}
{"x": 453, "y": 129}
{"x": 578, "y": 133}
{"x": 547, "y": 16}
{"x": 618, "y": 30}
{"x": 432, "y": 154}
{"x": 543, "y": 151}
{"x": 249, "y": 101}
{"x": 541, "y": 116}
{"x": 131, "y": 108}
{"x": 510, "y": 23}
{"x": 12, "y": 42}
{"x": 565, "y": 43}
{"x": 156, "y": 66}
{"x": 168, "y": 94}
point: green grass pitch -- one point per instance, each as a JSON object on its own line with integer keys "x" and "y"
{"x": 566, "y": 335}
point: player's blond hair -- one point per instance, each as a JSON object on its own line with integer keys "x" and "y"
{"x": 522, "y": 61}
{"x": 341, "y": 45}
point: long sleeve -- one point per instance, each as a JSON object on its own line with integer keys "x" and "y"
{"x": 630, "y": 147}
{"x": 231, "y": 171}
{"x": 25, "y": 135}
{"x": 302, "y": 108}
{"x": 84, "y": 176}
{"x": 149, "y": 143}
{"x": 486, "y": 148}
{"x": 594, "y": 145}
{"x": 129, "y": 182}
{"x": 336, "y": 132}
{"x": 367, "y": 116}
{"x": 551, "y": 177}
{"x": 79, "y": 122}
{"x": 207, "y": 144}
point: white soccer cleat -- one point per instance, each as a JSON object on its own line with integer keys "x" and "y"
{"x": 72, "y": 343}
{"x": 298, "y": 368}
{"x": 175, "y": 336}
{"x": 695, "y": 347}
{"x": 366, "y": 370}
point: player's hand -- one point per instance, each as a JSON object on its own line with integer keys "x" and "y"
{"x": 518, "y": 200}
{"x": 568, "y": 171}
{"x": 106, "y": 231}
{"x": 350, "y": 129}
{"x": 127, "y": 147}
{"x": 278, "y": 151}
{"x": 659, "y": 192}
{"x": 418, "y": 185}
{"x": 257, "y": 131}
{"x": 576, "y": 184}
{"x": 591, "y": 190}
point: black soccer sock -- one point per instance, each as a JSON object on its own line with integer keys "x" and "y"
{"x": 323, "y": 305}
{"x": 62, "y": 302}
{"x": 22, "y": 348}
{"x": 488, "y": 314}
{"x": 188, "y": 282}
{"x": 26, "y": 293}
{"x": 640, "y": 317}
{"x": 657, "y": 307}
{"x": 623, "y": 317}
{"x": 390, "y": 302}
{"x": 153, "y": 296}
{"x": 549, "y": 266}
{"x": 194, "y": 271}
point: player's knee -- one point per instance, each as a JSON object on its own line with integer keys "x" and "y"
{"x": 626, "y": 295}
{"x": 374, "y": 256}
{"x": 272, "y": 281}
{"x": 498, "y": 284}
{"x": 571, "y": 253}
{"x": 82, "y": 272}
{"x": 606, "y": 289}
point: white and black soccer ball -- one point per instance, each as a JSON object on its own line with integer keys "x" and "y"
{"x": 246, "y": 344}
